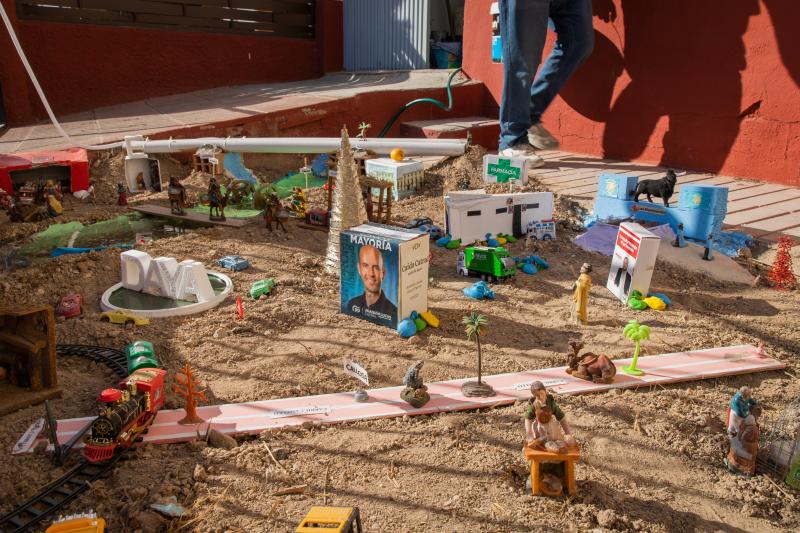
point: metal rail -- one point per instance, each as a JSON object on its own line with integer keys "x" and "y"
{"x": 113, "y": 359}
{"x": 56, "y": 495}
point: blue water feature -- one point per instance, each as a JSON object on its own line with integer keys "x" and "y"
{"x": 235, "y": 165}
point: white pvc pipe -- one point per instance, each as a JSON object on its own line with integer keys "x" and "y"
{"x": 298, "y": 145}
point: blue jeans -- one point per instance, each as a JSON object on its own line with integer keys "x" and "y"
{"x": 523, "y": 29}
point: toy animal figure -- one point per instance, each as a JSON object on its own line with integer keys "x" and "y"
{"x": 415, "y": 392}
{"x": 216, "y": 201}
{"x": 177, "y": 196}
{"x": 662, "y": 188}
{"x": 591, "y": 367}
{"x": 274, "y": 211}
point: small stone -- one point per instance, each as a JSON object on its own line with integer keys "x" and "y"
{"x": 199, "y": 473}
{"x": 606, "y": 518}
{"x": 147, "y": 521}
{"x": 217, "y": 439}
{"x": 614, "y": 392}
{"x": 280, "y": 453}
{"x": 414, "y": 339}
{"x": 361, "y": 396}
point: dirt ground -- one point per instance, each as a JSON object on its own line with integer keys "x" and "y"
{"x": 652, "y": 458}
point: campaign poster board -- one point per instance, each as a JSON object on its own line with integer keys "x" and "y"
{"x": 633, "y": 260}
{"x": 384, "y": 273}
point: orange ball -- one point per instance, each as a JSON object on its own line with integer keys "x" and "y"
{"x": 397, "y": 154}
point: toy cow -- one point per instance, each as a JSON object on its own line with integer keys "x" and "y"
{"x": 591, "y": 367}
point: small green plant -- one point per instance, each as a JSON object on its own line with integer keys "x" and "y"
{"x": 362, "y": 130}
{"x": 637, "y": 333}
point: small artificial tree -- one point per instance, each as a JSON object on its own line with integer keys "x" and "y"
{"x": 362, "y": 130}
{"x": 186, "y": 385}
{"x": 637, "y": 333}
{"x": 781, "y": 273}
{"x": 475, "y": 326}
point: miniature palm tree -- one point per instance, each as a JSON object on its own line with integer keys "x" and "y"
{"x": 637, "y": 333}
{"x": 186, "y": 385}
{"x": 362, "y": 130}
{"x": 474, "y": 327}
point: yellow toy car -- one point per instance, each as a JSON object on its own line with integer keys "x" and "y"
{"x": 123, "y": 317}
{"x": 79, "y": 523}
{"x": 331, "y": 520}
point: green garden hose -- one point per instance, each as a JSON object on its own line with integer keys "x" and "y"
{"x": 433, "y": 101}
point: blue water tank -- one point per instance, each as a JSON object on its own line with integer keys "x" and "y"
{"x": 709, "y": 198}
{"x": 616, "y": 186}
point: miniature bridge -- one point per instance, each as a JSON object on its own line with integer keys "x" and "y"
{"x": 255, "y": 417}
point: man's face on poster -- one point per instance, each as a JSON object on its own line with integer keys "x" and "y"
{"x": 370, "y": 268}
{"x": 625, "y": 263}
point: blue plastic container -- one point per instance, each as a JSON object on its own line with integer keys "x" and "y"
{"x": 709, "y": 198}
{"x": 616, "y": 186}
{"x": 446, "y": 55}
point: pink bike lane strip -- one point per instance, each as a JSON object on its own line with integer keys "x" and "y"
{"x": 254, "y": 417}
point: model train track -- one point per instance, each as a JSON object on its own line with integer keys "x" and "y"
{"x": 56, "y": 495}
{"x": 113, "y": 359}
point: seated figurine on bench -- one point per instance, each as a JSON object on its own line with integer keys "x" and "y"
{"x": 546, "y": 429}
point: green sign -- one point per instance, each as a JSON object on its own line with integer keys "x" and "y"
{"x": 503, "y": 171}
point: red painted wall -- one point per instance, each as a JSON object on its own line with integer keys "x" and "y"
{"x": 84, "y": 66}
{"x": 709, "y": 85}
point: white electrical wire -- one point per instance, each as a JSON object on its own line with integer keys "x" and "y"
{"x": 41, "y": 93}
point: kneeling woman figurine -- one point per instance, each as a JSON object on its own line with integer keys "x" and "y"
{"x": 743, "y": 433}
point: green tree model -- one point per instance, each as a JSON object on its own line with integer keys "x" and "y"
{"x": 475, "y": 326}
{"x": 637, "y": 333}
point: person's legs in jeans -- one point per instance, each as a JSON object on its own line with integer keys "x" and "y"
{"x": 572, "y": 21}
{"x": 523, "y": 28}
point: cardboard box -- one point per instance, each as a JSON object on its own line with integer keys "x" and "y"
{"x": 499, "y": 169}
{"x": 633, "y": 261}
{"x": 470, "y": 215}
{"x": 406, "y": 175}
{"x": 384, "y": 273}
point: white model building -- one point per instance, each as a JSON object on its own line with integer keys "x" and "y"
{"x": 470, "y": 215}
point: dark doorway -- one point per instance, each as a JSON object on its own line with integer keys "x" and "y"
{"x": 2, "y": 110}
{"x": 516, "y": 222}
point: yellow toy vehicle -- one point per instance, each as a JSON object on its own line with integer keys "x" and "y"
{"x": 331, "y": 520}
{"x": 123, "y": 317}
{"x": 79, "y": 523}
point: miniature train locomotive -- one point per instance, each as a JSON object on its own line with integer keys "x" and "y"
{"x": 125, "y": 413}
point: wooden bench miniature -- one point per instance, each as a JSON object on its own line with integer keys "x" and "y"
{"x": 537, "y": 457}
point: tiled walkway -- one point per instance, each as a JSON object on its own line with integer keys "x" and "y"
{"x": 763, "y": 210}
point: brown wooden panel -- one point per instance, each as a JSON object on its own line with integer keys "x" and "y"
{"x": 293, "y": 19}
{"x": 194, "y": 22}
{"x": 277, "y": 6}
{"x": 65, "y": 3}
{"x": 91, "y": 16}
{"x": 136, "y": 6}
{"x": 223, "y": 13}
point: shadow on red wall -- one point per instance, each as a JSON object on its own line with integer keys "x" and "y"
{"x": 685, "y": 60}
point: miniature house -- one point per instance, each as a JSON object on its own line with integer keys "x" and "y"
{"x": 208, "y": 160}
{"x": 27, "y": 356}
{"x": 377, "y": 198}
{"x": 470, "y": 215}
{"x": 406, "y": 176}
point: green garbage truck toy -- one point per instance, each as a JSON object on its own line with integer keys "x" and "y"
{"x": 488, "y": 263}
{"x": 140, "y": 354}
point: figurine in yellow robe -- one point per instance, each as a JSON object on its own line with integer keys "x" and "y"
{"x": 580, "y": 296}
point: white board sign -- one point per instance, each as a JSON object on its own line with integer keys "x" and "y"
{"x": 357, "y": 371}
{"x": 546, "y": 382}
{"x": 28, "y": 438}
{"x": 498, "y": 169}
{"x": 296, "y": 411}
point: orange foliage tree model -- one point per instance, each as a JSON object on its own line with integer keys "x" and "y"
{"x": 185, "y": 385}
{"x": 781, "y": 273}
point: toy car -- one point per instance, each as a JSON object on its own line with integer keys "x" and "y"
{"x": 70, "y": 305}
{"x": 419, "y": 221}
{"x": 123, "y": 317}
{"x": 262, "y": 287}
{"x": 234, "y": 262}
{"x": 542, "y": 229}
{"x": 435, "y": 232}
{"x": 318, "y": 217}
{"x": 490, "y": 263}
{"x": 332, "y": 519}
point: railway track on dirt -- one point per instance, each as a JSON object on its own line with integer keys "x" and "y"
{"x": 113, "y": 359}
{"x": 79, "y": 478}
{"x": 55, "y": 495}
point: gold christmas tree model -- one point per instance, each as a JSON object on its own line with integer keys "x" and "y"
{"x": 348, "y": 205}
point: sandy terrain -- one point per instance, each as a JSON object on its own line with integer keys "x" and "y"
{"x": 653, "y": 458}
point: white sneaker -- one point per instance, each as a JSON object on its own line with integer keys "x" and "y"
{"x": 541, "y": 138}
{"x": 523, "y": 149}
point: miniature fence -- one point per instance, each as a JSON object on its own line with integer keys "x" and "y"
{"x": 285, "y": 18}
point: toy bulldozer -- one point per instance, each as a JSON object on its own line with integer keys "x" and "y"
{"x": 331, "y": 520}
